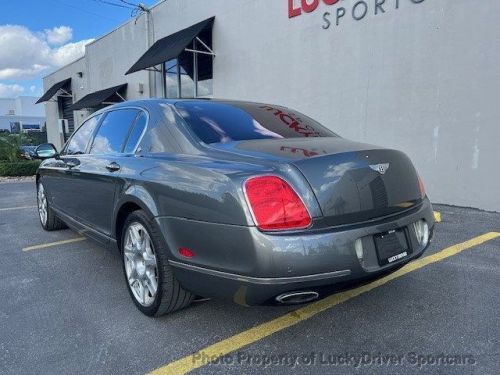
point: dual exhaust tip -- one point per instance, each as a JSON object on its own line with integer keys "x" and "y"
{"x": 295, "y": 298}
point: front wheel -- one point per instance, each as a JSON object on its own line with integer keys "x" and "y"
{"x": 150, "y": 279}
{"x": 48, "y": 218}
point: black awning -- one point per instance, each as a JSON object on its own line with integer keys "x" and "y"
{"x": 97, "y": 98}
{"x": 170, "y": 47}
{"x": 53, "y": 90}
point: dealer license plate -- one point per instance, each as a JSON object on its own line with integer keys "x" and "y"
{"x": 391, "y": 246}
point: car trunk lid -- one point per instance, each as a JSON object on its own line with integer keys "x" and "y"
{"x": 361, "y": 185}
{"x": 353, "y": 182}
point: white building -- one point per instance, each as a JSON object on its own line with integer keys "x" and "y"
{"x": 21, "y": 114}
{"x": 421, "y": 76}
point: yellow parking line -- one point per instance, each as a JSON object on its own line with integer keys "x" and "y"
{"x": 51, "y": 244}
{"x": 224, "y": 347}
{"x": 17, "y": 208}
{"x": 437, "y": 216}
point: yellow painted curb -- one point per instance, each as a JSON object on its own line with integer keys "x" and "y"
{"x": 52, "y": 244}
{"x": 17, "y": 208}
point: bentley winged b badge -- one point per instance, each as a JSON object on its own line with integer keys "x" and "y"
{"x": 380, "y": 168}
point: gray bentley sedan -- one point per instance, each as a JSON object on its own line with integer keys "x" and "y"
{"x": 253, "y": 202}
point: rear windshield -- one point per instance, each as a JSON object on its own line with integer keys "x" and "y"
{"x": 215, "y": 122}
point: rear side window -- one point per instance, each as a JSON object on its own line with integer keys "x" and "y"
{"x": 113, "y": 132}
{"x": 135, "y": 133}
{"x": 215, "y": 122}
{"x": 80, "y": 140}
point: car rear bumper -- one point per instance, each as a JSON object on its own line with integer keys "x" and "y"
{"x": 252, "y": 267}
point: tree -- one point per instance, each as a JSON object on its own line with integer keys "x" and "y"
{"x": 10, "y": 145}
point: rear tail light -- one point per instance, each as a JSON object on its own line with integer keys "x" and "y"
{"x": 421, "y": 186}
{"x": 275, "y": 205}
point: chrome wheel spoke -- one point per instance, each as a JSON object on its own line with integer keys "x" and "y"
{"x": 142, "y": 292}
{"x": 135, "y": 237}
{"x": 152, "y": 284}
{"x": 129, "y": 255}
{"x": 150, "y": 261}
{"x": 147, "y": 247}
{"x": 132, "y": 280}
{"x": 131, "y": 274}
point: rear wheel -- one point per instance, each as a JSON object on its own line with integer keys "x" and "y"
{"x": 150, "y": 279}
{"x": 48, "y": 218}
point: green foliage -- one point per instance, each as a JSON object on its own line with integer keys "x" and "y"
{"x": 9, "y": 146}
{"x": 35, "y": 138}
{"x": 20, "y": 168}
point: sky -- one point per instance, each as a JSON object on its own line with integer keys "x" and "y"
{"x": 39, "y": 36}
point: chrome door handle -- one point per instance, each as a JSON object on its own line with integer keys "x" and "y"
{"x": 113, "y": 167}
{"x": 72, "y": 163}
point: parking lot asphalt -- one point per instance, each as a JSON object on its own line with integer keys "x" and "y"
{"x": 65, "y": 309}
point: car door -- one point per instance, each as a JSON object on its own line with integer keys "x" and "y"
{"x": 58, "y": 178}
{"x": 98, "y": 173}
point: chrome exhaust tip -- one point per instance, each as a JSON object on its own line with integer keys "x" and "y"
{"x": 294, "y": 298}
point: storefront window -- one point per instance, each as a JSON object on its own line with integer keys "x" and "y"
{"x": 191, "y": 74}
{"x": 187, "y": 73}
{"x": 205, "y": 74}
{"x": 171, "y": 79}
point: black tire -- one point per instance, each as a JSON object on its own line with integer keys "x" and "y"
{"x": 170, "y": 296}
{"x": 52, "y": 222}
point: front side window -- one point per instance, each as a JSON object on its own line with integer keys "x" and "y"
{"x": 113, "y": 132}
{"x": 191, "y": 74}
{"x": 218, "y": 122}
{"x": 78, "y": 143}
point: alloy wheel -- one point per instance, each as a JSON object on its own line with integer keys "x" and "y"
{"x": 141, "y": 267}
{"x": 42, "y": 204}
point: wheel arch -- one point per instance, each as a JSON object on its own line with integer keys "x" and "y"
{"x": 126, "y": 205}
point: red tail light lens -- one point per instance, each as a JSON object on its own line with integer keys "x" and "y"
{"x": 421, "y": 186}
{"x": 275, "y": 205}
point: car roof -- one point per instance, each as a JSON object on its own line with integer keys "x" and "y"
{"x": 154, "y": 102}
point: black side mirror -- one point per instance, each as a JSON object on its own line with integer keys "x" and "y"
{"x": 46, "y": 151}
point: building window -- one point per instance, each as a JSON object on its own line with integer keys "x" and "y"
{"x": 27, "y": 128}
{"x": 15, "y": 127}
{"x": 191, "y": 74}
{"x": 171, "y": 79}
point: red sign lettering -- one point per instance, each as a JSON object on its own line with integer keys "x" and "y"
{"x": 295, "y": 7}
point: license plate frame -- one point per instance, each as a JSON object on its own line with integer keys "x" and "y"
{"x": 392, "y": 246}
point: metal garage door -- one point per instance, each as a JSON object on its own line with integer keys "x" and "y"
{"x": 64, "y": 103}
